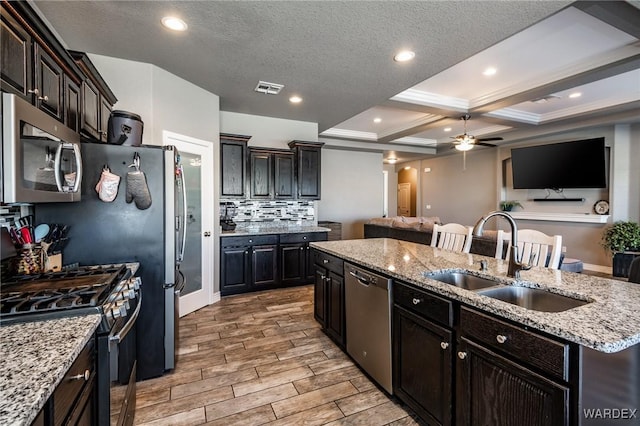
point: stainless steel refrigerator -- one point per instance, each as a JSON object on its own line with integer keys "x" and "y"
{"x": 115, "y": 232}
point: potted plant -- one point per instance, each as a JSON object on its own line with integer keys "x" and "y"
{"x": 622, "y": 240}
{"x": 507, "y": 206}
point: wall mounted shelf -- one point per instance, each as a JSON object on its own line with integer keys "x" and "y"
{"x": 561, "y": 217}
{"x": 559, "y": 199}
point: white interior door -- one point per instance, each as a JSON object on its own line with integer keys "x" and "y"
{"x": 197, "y": 165}
{"x": 404, "y": 199}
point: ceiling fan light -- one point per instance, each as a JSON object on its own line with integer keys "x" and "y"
{"x": 465, "y": 146}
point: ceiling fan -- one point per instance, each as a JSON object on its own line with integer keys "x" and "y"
{"x": 465, "y": 141}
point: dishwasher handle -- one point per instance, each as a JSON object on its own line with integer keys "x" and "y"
{"x": 362, "y": 280}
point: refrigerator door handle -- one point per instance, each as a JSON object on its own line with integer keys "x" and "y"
{"x": 184, "y": 216}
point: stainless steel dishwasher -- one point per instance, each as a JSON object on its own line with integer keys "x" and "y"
{"x": 368, "y": 317}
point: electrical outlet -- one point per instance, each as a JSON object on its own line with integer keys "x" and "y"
{"x": 428, "y": 206}
{"x": 564, "y": 249}
{"x": 427, "y": 169}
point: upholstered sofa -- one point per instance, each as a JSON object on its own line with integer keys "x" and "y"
{"x": 419, "y": 230}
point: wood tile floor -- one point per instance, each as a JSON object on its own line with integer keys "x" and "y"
{"x": 261, "y": 358}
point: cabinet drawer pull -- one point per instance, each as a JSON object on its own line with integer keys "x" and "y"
{"x": 84, "y": 376}
{"x": 250, "y": 241}
{"x": 416, "y": 301}
{"x": 301, "y": 248}
{"x": 462, "y": 355}
{"x": 325, "y": 261}
{"x": 322, "y": 277}
{"x": 501, "y": 339}
{"x": 246, "y": 252}
{"x": 444, "y": 345}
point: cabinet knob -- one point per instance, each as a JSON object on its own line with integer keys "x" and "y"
{"x": 444, "y": 345}
{"x": 307, "y": 247}
{"x": 501, "y": 339}
{"x": 250, "y": 241}
{"x": 43, "y": 98}
{"x": 325, "y": 260}
{"x": 246, "y": 252}
{"x": 462, "y": 355}
{"x": 34, "y": 91}
{"x": 301, "y": 248}
{"x": 85, "y": 376}
{"x": 322, "y": 277}
{"x": 304, "y": 238}
{"x": 416, "y": 301}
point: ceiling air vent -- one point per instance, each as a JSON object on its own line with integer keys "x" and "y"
{"x": 268, "y": 88}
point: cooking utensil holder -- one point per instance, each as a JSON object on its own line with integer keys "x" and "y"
{"x": 29, "y": 260}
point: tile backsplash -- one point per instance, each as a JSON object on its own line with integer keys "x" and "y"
{"x": 279, "y": 212}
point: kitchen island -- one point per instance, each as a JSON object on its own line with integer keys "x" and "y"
{"x": 458, "y": 354}
{"x": 36, "y": 356}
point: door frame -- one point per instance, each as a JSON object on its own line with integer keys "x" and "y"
{"x": 203, "y": 297}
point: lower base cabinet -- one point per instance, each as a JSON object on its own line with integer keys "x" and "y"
{"x": 263, "y": 262}
{"x": 329, "y": 296}
{"x": 494, "y": 373}
{"x": 74, "y": 400}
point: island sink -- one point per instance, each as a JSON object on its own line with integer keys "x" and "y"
{"x": 463, "y": 280}
{"x": 533, "y": 298}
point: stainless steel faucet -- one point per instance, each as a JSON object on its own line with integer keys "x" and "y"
{"x": 515, "y": 265}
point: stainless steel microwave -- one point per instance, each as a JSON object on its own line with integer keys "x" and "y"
{"x": 41, "y": 161}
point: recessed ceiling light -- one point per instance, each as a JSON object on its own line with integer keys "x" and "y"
{"x": 295, "y": 99}
{"x": 392, "y": 160}
{"x": 447, "y": 129}
{"x": 404, "y": 56}
{"x": 407, "y": 168}
{"x": 575, "y": 95}
{"x": 174, "y": 23}
{"x": 377, "y": 120}
{"x": 490, "y": 71}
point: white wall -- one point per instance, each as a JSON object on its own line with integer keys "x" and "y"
{"x": 267, "y": 132}
{"x": 163, "y": 100}
{"x": 351, "y": 189}
{"x": 392, "y": 188}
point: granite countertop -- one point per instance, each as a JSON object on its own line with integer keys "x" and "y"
{"x": 35, "y": 357}
{"x": 271, "y": 229}
{"x": 610, "y": 323}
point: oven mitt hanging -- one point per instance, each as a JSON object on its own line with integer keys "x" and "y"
{"x": 137, "y": 190}
{"x": 107, "y": 186}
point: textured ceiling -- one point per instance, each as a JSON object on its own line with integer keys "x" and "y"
{"x": 337, "y": 55}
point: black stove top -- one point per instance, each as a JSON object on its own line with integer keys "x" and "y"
{"x": 61, "y": 293}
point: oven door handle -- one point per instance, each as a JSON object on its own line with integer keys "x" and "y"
{"x": 117, "y": 338}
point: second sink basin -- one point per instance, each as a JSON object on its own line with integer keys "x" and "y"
{"x": 463, "y": 280}
{"x": 533, "y": 298}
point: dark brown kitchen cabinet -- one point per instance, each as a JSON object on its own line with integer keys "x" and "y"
{"x": 308, "y": 169}
{"x": 17, "y": 57}
{"x": 74, "y": 400}
{"x": 97, "y": 99}
{"x": 509, "y": 375}
{"x": 248, "y": 263}
{"x": 296, "y": 262}
{"x": 271, "y": 174}
{"x": 329, "y": 295}
{"x": 283, "y": 179}
{"x": 233, "y": 161}
{"x": 48, "y": 90}
{"x": 35, "y": 66}
{"x": 72, "y": 104}
{"x": 264, "y": 266}
{"x": 423, "y": 353}
{"x": 260, "y": 174}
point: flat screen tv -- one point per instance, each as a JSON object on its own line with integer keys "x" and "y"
{"x": 576, "y": 164}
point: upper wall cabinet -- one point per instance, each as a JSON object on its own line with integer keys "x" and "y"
{"x": 233, "y": 160}
{"x": 271, "y": 174}
{"x": 36, "y": 67}
{"x": 308, "y": 169}
{"x": 97, "y": 100}
{"x": 34, "y": 64}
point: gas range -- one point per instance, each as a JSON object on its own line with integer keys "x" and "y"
{"x": 109, "y": 290}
